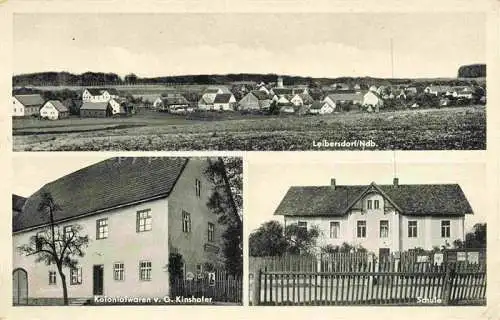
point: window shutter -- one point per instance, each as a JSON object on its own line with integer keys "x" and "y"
{"x": 137, "y": 221}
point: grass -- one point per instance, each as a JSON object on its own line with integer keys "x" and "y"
{"x": 459, "y": 128}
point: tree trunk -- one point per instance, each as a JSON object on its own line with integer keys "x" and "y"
{"x": 65, "y": 287}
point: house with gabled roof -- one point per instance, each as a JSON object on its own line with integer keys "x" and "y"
{"x": 321, "y": 107}
{"x": 53, "y": 110}
{"x": 26, "y": 104}
{"x": 255, "y": 100}
{"x": 381, "y": 218}
{"x": 224, "y": 102}
{"x": 372, "y": 100}
{"x": 301, "y": 99}
{"x": 96, "y": 110}
{"x": 464, "y": 92}
{"x": 437, "y": 90}
{"x": 341, "y": 97}
{"x": 172, "y": 102}
{"x": 136, "y": 211}
{"x": 99, "y": 94}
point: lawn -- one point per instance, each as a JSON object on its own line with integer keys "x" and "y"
{"x": 459, "y": 128}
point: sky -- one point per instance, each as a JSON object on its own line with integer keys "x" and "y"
{"x": 306, "y": 44}
{"x": 270, "y": 177}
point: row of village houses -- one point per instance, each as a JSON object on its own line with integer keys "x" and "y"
{"x": 105, "y": 102}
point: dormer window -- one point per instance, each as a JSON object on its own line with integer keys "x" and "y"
{"x": 369, "y": 204}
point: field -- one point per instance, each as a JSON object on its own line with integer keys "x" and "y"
{"x": 458, "y": 128}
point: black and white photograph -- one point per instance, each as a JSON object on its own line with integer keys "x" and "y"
{"x": 92, "y": 230}
{"x": 249, "y": 81}
{"x": 338, "y": 233}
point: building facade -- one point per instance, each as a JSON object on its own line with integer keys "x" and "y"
{"x": 135, "y": 213}
{"x": 381, "y": 218}
{"x": 26, "y": 105}
{"x": 54, "y": 110}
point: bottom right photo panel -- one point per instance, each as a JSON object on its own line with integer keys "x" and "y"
{"x": 397, "y": 229}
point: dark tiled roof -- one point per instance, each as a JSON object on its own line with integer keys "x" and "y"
{"x": 211, "y": 90}
{"x": 94, "y": 92}
{"x": 58, "y": 105}
{"x": 261, "y": 95}
{"x": 432, "y": 199}
{"x": 30, "y": 100}
{"x": 107, "y": 184}
{"x": 94, "y": 106}
{"x": 17, "y": 202}
{"x": 99, "y": 91}
{"x": 222, "y": 98}
{"x": 346, "y": 96}
{"x": 282, "y": 91}
{"x": 174, "y": 100}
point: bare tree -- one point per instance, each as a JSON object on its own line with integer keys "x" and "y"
{"x": 54, "y": 245}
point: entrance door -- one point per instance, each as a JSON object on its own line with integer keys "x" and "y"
{"x": 384, "y": 254}
{"x": 20, "y": 287}
{"x": 98, "y": 279}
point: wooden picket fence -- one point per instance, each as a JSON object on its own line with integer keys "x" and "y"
{"x": 225, "y": 288}
{"x": 374, "y": 283}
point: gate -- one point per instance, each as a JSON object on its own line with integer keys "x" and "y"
{"x": 221, "y": 288}
{"x": 20, "y": 287}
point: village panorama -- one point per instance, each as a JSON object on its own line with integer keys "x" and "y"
{"x": 60, "y": 111}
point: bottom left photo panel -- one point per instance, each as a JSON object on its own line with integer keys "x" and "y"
{"x": 96, "y": 230}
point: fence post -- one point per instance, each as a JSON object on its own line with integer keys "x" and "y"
{"x": 448, "y": 281}
{"x": 256, "y": 288}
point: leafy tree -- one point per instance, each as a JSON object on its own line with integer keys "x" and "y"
{"x": 475, "y": 239}
{"x": 301, "y": 240}
{"x": 344, "y": 248}
{"x": 130, "y": 78}
{"x": 271, "y": 239}
{"x": 472, "y": 71}
{"x": 274, "y": 108}
{"x": 226, "y": 201}
{"x": 53, "y": 246}
{"x": 268, "y": 240}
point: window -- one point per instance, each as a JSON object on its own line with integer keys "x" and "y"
{"x": 102, "y": 228}
{"x": 39, "y": 241}
{"x": 52, "y": 277}
{"x": 369, "y": 204}
{"x": 199, "y": 268}
{"x": 361, "y": 229}
{"x": 143, "y": 221}
{"x": 445, "y": 229}
{"x": 334, "y": 229}
{"x": 68, "y": 232}
{"x": 412, "y": 229}
{"x": 384, "y": 228}
{"x": 145, "y": 270}
{"x": 198, "y": 187}
{"x": 302, "y": 224}
{"x": 76, "y": 276}
{"x": 376, "y": 204}
{"x": 211, "y": 230}
{"x": 186, "y": 221}
{"x": 118, "y": 271}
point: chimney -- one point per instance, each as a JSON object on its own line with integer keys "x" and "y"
{"x": 333, "y": 183}
{"x": 396, "y": 182}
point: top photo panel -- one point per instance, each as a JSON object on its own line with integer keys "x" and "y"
{"x": 249, "y": 81}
